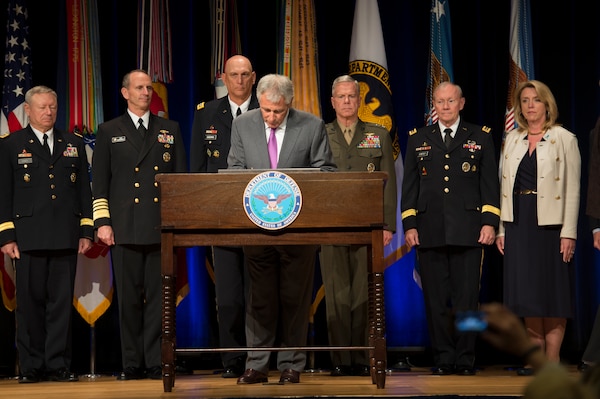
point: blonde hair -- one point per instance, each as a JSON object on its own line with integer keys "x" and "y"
{"x": 546, "y": 97}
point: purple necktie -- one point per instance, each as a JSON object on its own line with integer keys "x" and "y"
{"x": 273, "y": 149}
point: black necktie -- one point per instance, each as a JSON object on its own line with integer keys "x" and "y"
{"x": 141, "y": 128}
{"x": 239, "y": 112}
{"x": 46, "y": 146}
{"x": 447, "y": 137}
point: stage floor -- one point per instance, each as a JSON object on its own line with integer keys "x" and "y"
{"x": 491, "y": 382}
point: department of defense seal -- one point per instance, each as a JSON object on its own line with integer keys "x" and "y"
{"x": 272, "y": 200}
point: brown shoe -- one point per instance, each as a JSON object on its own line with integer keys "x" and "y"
{"x": 252, "y": 376}
{"x": 289, "y": 375}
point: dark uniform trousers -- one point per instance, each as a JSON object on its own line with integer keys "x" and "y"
{"x": 44, "y": 281}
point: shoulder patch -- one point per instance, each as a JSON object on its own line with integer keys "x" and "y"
{"x": 486, "y": 129}
{"x": 2, "y": 136}
{"x": 200, "y": 106}
{"x": 412, "y": 132}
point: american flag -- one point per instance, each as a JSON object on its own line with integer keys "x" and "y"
{"x": 17, "y": 80}
{"x": 17, "y": 68}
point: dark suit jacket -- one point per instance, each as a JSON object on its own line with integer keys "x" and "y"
{"x": 449, "y": 194}
{"x": 45, "y": 202}
{"x": 211, "y": 134}
{"x": 124, "y": 167}
{"x": 593, "y": 194}
{"x": 305, "y": 143}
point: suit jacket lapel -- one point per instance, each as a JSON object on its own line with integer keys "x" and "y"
{"x": 290, "y": 139}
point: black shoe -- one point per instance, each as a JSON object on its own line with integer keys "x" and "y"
{"x": 465, "y": 370}
{"x": 29, "y": 377}
{"x": 525, "y": 371}
{"x": 289, "y": 376}
{"x": 361, "y": 370}
{"x": 442, "y": 370}
{"x": 582, "y": 367}
{"x": 131, "y": 373}
{"x": 232, "y": 372}
{"x": 154, "y": 373}
{"x": 61, "y": 375}
{"x": 341, "y": 371}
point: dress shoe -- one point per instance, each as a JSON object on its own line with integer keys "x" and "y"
{"x": 154, "y": 373}
{"x": 465, "y": 370}
{"x": 442, "y": 370}
{"x": 525, "y": 371}
{"x": 341, "y": 371}
{"x": 62, "y": 375}
{"x": 131, "y": 373}
{"x": 252, "y": 376}
{"x": 231, "y": 372}
{"x": 361, "y": 370}
{"x": 289, "y": 375}
{"x": 582, "y": 367}
{"x": 29, "y": 377}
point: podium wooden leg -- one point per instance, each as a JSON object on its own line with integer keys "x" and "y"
{"x": 378, "y": 355}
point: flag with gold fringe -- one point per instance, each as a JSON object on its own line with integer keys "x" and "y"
{"x": 93, "y": 291}
{"x": 225, "y": 35}
{"x": 368, "y": 65}
{"x": 521, "y": 56}
{"x": 297, "y": 56}
{"x": 154, "y": 54}
{"x": 17, "y": 80}
{"x": 440, "y": 54}
{"x": 405, "y": 324}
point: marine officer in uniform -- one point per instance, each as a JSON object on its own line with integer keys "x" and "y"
{"x": 45, "y": 221}
{"x": 130, "y": 150}
{"x": 211, "y": 138}
{"x": 450, "y": 209}
{"x": 362, "y": 147}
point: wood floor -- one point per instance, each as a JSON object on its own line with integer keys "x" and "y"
{"x": 493, "y": 381}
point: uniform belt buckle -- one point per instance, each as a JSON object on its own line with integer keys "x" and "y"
{"x": 526, "y": 192}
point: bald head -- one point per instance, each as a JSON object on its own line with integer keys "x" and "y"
{"x": 239, "y": 78}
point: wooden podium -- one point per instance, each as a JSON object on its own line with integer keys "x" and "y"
{"x": 337, "y": 208}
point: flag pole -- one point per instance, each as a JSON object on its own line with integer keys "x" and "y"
{"x": 92, "y": 374}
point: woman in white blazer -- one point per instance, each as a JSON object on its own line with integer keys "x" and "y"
{"x": 540, "y": 168}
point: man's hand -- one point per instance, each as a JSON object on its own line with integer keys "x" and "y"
{"x": 84, "y": 245}
{"x": 411, "y": 238}
{"x": 487, "y": 235}
{"x": 387, "y": 237}
{"x": 11, "y": 249}
{"x": 106, "y": 235}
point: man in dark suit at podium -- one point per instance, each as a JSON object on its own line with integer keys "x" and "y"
{"x": 281, "y": 276}
{"x": 211, "y": 138}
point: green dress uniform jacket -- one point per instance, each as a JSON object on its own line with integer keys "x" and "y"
{"x": 370, "y": 150}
